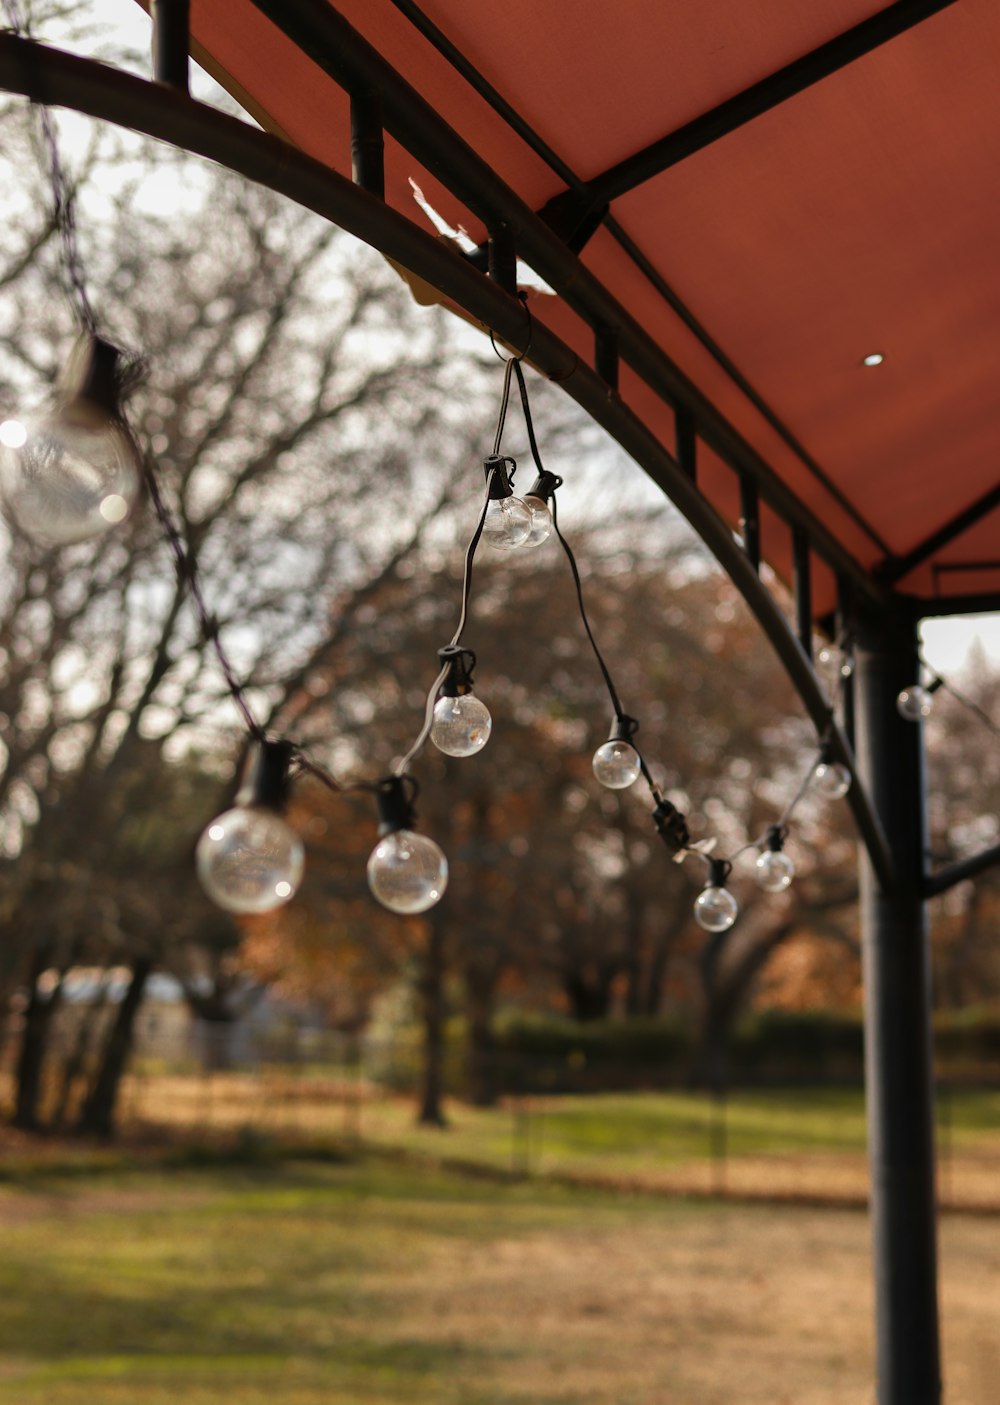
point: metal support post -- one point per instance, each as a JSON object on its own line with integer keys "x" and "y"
{"x": 898, "y": 1021}
{"x": 606, "y": 356}
{"x": 171, "y": 38}
{"x": 750, "y": 519}
{"x": 367, "y": 142}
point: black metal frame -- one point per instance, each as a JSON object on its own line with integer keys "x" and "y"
{"x": 888, "y": 801}
{"x": 761, "y": 97}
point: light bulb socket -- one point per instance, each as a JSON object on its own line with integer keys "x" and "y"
{"x": 268, "y": 784}
{"x": 623, "y": 728}
{"x": 544, "y": 486}
{"x": 95, "y": 373}
{"x": 718, "y": 873}
{"x": 828, "y": 755}
{"x": 775, "y": 838}
{"x": 460, "y": 663}
{"x": 394, "y": 796}
{"x": 499, "y": 477}
{"x": 671, "y": 826}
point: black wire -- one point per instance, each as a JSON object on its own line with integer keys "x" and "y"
{"x": 529, "y": 425}
{"x": 187, "y": 572}
{"x": 504, "y": 402}
{"x": 962, "y": 698}
{"x": 518, "y": 355}
{"x": 578, "y": 583}
{"x": 470, "y": 555}
{"x": 612, "y": 690}
{"x": 63, "y": 194}
{"x": 305, "y": 764}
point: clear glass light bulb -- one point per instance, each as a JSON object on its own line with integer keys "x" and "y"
{"x": 67, "y": 477}
{"x": 617, "y": 765}
{"x": 715, "y": 909}
{"x": 250, "y": 860}
{"x": 775, "y": 870}
{"x": 407, "y": 872}
{"x": 541, "y": 520}
{"x": 915, "y": 702}
{"x": 461, "y": 726}
{"x": 507, "y": 524}
{"x": 832, "y": 780}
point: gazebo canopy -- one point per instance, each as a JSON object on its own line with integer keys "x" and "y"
{"x": 770, "y": 191}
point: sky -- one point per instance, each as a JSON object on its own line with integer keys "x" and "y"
{"x": 947, "y": 643}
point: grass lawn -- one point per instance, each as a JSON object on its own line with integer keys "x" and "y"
{"x": 806, "y": 1144}
{"x": 377, "y": 1284}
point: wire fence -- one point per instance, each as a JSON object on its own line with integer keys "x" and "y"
{"x": 349, "y": 1096}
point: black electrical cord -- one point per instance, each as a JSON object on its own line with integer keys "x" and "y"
{"x": 962, "y": 698}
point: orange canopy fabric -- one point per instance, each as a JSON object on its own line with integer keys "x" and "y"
{"x": 861, "y": 215}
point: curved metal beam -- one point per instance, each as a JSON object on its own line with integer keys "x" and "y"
{"x": 64, "y": 80}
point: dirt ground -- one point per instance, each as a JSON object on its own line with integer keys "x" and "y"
{"x": 759, "y": 1307}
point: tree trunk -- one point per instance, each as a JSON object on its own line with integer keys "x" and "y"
{"x": 633, "y": 960}
{"x": 588, "y": 999}
{"x": 97, "y": 1117}
{"x": 432, "y": 1005}
{"x": 77, "y": 1058}
{"x": 34, "y": 1042}
{"x": 480, "y": 988}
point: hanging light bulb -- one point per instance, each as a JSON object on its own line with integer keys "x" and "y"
{"x": 249, "y": 859}
{"x": 917, "y": 701}
{"x": 508, "y": 521}
{"x": 73, "y": 473}
{"x": 774, "y": 868}
{"x": 537, "y": 499}
{"x": 839, "y": 657}
{"x": 715, "y": 908}
{"x": 831, "y": 778}
{"x": 407, "y": 872}
{"x": 462, "y": 723}
{"x": 616, "y": 761}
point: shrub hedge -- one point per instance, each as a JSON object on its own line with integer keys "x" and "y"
{"x": 769, "y": 1046}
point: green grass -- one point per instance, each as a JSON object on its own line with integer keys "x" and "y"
{"x": 234, "y": 1285}
{"x": 380, "y": 1283}
{"x": 637, "y": 1132}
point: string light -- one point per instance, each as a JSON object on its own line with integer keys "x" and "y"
{"x": 462, "y": 723}
{"x": 509, "y": 521}
{"x": 715, "y": 908}
{"x": 916, "y": 701}
{"x": 831, "y": 778}
{"x": 407, "y": 872}
{"x": 249, "y": 859}
{"x": 537, "y": 498}
{"x": 73, "y": 473}
{"x": 774, "y": 870}
{"x": 617, "y": 764}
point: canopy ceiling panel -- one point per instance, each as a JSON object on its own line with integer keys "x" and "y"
{"x": 859, "y": 213}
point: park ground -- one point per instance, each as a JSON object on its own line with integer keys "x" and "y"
{"x": 378, "y": 1275}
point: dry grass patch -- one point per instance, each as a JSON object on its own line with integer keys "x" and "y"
{"x": 382, "y": 1285}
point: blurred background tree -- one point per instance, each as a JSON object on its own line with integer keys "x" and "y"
{"x": 319, "y": 440}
